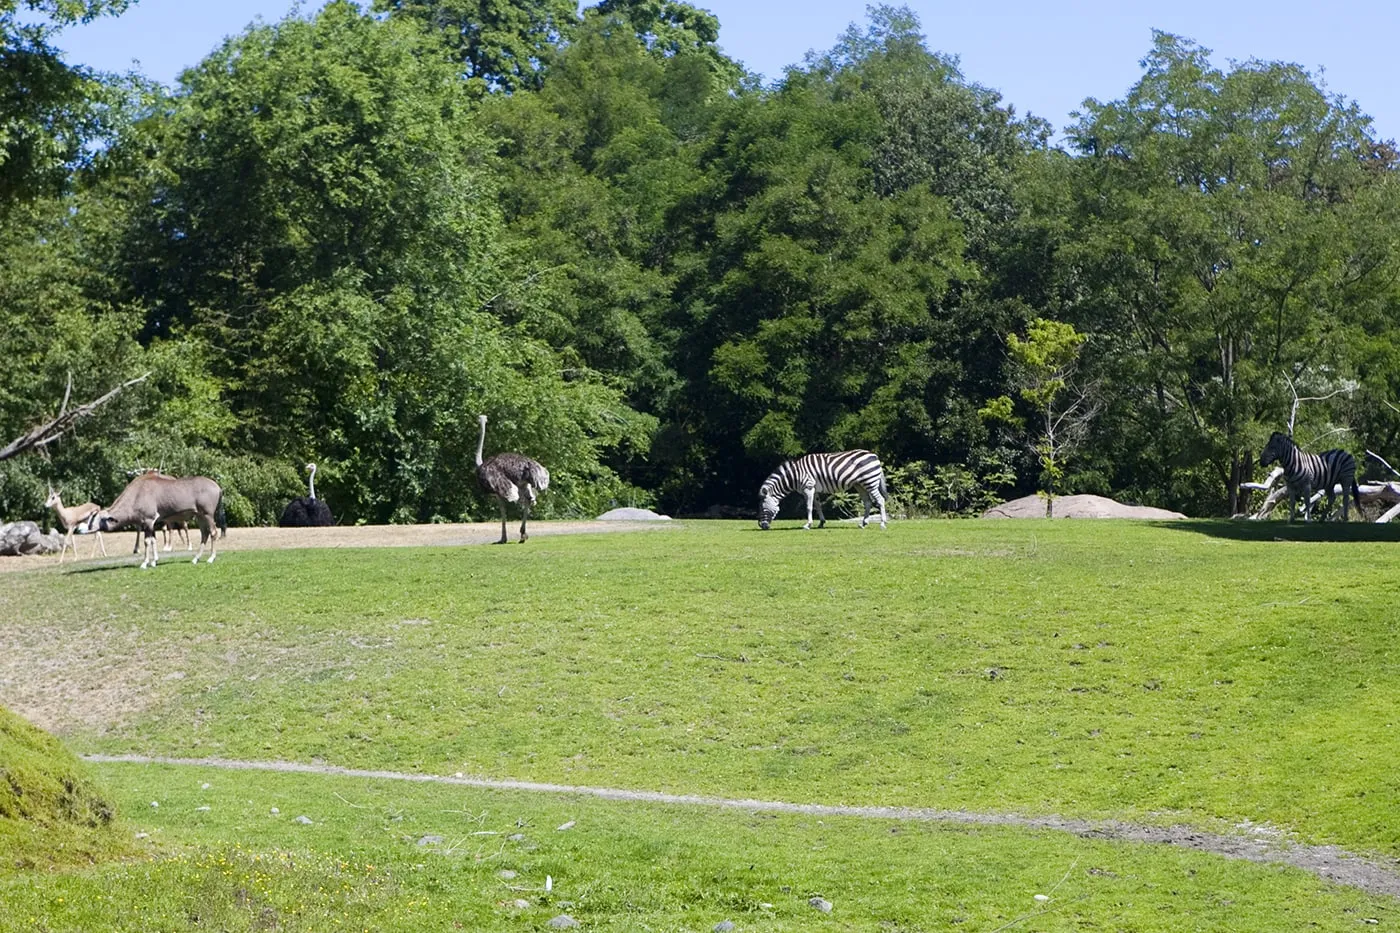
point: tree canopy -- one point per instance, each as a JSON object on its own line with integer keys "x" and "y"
{"x": 344, "y": 235}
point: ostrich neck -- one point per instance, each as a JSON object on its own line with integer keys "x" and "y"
{"x": 481, "y": 443}
{"x": 312, "y": 481}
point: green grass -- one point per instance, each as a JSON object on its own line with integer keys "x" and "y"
{"x": 1198, "y": 673}
{"x": 52, "y": 814}
{"x": 359, "y": 866}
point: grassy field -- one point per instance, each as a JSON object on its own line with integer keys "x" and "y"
{"x": 1207, "y": 674}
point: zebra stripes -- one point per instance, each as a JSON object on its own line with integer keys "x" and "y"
{"x": 824, "y": 473}
{"x": 1308, "y": 473}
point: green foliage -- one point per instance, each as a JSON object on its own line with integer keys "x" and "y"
{"x": 919, "y": 490}
{"x": 48, "y": 110}
{"x": 327, "y": 230}
{"x": 1226, "y": 233}
{"x": 1046, "y": 362}
{"x": 343, "y": 236}
{"x": 500, "y": 44}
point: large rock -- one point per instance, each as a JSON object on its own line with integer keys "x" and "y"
{"x": 632, "y": 515}
{"x": 1077, "y": 507}
{"x": 21, "y": 538}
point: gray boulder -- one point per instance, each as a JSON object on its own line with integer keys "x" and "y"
{"x": 632, "y": 515}
{"x": 21, "y": 538}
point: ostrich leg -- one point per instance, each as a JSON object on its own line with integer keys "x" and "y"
{"x": 503, "y": 521}
{"x": 524, "y": 517}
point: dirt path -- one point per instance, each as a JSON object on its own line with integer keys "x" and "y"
{"x": 260, "y": 539}
{"x": 1327, "y": 862}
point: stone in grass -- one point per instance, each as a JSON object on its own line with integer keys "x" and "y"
{"x": 821, "y": 904}
{"x": 304, "y": 820}
{"x": 507, "y": 874}
{"x": 430, "y": 841}
{"x": 563, "y": 922}
{"x": 724, "y": 926}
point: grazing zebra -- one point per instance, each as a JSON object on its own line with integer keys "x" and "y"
{"x": 824, "y": 473}
{"x": 1309, "y": 473}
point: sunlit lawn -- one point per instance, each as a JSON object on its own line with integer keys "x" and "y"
{"x": 1202, "y": 673}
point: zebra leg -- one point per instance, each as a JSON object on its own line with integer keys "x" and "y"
{"x": 810, "y": 493}
{"x": 821, "y": 516}
{"x": 865, "y": 503}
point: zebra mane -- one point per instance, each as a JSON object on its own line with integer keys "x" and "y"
{"x": 778, "y": 482}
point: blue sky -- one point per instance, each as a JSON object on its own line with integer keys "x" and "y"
{"x": 1043, "y": 57}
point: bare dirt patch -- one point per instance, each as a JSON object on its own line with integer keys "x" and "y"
{"x": 95, "y": 677}
{"x": 98, "y": 676}
{"x": 262, "y": 539}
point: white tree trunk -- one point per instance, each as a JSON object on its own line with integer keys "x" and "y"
{"x": 1370, "y": 493}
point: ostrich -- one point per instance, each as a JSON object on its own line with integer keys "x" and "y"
{"x": 510, "y": 478}
{"x": 308, "y": 511}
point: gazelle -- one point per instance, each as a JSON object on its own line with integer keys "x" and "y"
{"x": 151, "y": 497}
{"x": 70, "y": 518}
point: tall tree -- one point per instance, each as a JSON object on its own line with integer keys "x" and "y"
{"x": 49, "y": 110}
{"x": 500, "y": 44}
{"x": 1220, "y": 245}
{"x": 834, "y": 298}
{"x": 323, "y": 216}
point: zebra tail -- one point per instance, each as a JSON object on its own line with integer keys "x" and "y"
{"x": 221, "y": 517}
{"x": 884, "y": 486}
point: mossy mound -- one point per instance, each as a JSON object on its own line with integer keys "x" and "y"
{"x": 51, "y": 812}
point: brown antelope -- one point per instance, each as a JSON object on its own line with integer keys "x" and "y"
{"x": 181, "y": 531}
{"x": 71, "y": 518}
{"x": 152, "y": 497}
{"x": 180, "y": 528}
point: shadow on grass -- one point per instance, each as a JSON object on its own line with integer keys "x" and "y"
{"x": 1244, "y": 530}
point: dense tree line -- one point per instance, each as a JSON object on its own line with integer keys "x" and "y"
{"x": 342, "y": 236}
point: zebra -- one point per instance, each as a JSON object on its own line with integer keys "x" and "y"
{"x": 823, "y": 473}
{"x": 1307, "y": 473}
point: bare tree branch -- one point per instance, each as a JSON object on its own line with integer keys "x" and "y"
{"x": 1298, "y": 400}
{"x": 50, "y": 431}
{"x": 1375, "y": 456}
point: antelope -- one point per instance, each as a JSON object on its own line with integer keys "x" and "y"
{"x": 152, "y": 497}
{"x": 71, "y": 518}
{"x": 180, "y": 528}
{"x": 181, "y": 532}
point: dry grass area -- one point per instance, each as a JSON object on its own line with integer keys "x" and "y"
{"x": 97, "y": 677}
{"x": 260, "y": 539}
{"x": 101, "y": 674}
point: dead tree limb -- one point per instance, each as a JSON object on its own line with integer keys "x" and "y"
{"x": 44, "y": 434}
{"x": 1382, "y": 461}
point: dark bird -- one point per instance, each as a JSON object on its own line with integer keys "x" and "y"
{"x": 308, "y": 511}
{"x": 510, "y": 478}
